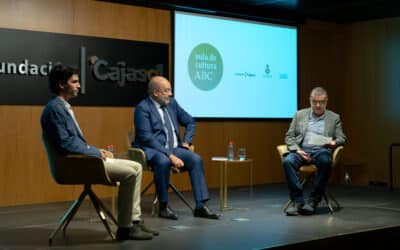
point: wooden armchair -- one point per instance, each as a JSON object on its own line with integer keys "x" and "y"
{"x": 308, "y": 171}
{"x": 138, "y": 155}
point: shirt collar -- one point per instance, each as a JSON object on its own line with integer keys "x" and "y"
{"x": 158, "y": 106}
{"x": 318, "y": 118}
{"x": 67, "y": 105}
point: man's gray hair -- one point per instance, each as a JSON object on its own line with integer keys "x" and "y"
{"x": 318, "y": 91}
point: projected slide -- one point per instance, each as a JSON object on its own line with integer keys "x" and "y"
{"x": 230, "y": 68}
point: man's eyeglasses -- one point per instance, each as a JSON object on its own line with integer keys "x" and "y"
{"x": 315, "y": 102}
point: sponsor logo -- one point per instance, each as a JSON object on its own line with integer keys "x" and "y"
{"x": 25, "y": 68}
{"x": 205, "y": 66}
{"x": 120, "y": 73}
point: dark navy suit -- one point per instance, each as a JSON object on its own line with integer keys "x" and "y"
{"x": 60, "y": 128}
{"x": 151, "y": 136}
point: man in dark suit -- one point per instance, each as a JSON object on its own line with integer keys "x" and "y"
{"x": 61, "y": 128}
{"x": 307, "y": 125}
{"x": 157, "y": 119}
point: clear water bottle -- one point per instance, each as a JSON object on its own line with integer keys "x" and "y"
{"x": 231, "y": 151}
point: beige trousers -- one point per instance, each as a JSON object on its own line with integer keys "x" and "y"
{"x": 129, "y": 175}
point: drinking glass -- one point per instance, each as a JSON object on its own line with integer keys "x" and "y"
{"x": 242, "y": 154}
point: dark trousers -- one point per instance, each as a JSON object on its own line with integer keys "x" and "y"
{"x": 322, "y": 158}
{"x": 192, "y": 163}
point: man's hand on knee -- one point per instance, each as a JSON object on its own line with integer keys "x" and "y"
{"x": 176, "y": 161}
{"x": 304, "y": 155}
{"x": 185, "y": 145}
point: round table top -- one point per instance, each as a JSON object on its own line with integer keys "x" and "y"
{"x": 219, "y": 158}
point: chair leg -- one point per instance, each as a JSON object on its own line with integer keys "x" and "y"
{"x": 305, "y": 180}
{"x": 147, "y": 187}
{"x": 328, "y": 203}
{"x": 287, "y": 204}
{"x": 113, "y": 200}
{"x": 180, "y": 195}
{"x": 68, "y": 216}
{"x": 332, "y": 198}
{"x": 72, "y": 214}
{"x": 100, "y": 212}
{"x": 154, "y": 205}
{"x": 155, "y": 200}
{"x": 105, "y": 209}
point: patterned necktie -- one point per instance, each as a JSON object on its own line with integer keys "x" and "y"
{"x": 167, "y": 123}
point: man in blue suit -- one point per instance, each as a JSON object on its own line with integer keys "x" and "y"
{"x": 157, "y": 119}
{"x": 61, "y": 128}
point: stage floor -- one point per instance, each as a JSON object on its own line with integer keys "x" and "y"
{"x": 255, "y": 222}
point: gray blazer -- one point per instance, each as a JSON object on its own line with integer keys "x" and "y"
{"x": 298, "y": 127}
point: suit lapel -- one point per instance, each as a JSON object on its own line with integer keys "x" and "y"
{"x": 328, "y": 124}
{"x": 304, "y": 121}
{"x": 71, "y": 119}
{"x": 154, "y": 110}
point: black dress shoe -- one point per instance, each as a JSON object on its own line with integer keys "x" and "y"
{"x": 205, "y": 212}
{"x": 294, "y": 208}
{"x": 167, "y": 213}
{"x": 132, "y": 233}
{"x": 147, "y": 229}
{"x": 309, "y": 208}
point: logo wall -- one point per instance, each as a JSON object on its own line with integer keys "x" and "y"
{"x": 113, "y": 72}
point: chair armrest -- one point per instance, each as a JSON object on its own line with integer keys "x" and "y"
{"x": 336, "y": 155}
{"x": 282, "y": 150}
{"x": 138, "y": 155}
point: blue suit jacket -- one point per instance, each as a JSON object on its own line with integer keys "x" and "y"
{"x": 59, "y": 126}
{"x": 150, "y": 132}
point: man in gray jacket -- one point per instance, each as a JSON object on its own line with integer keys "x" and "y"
{"x": 312, "y": 136}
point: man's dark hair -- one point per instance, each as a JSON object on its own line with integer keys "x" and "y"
{"x": 60, "y": 74}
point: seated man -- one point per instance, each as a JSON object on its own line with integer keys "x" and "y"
{"x": 59, "y": 124}
{"x": 157, "y": 119}
{"x": 308, "y": 124}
